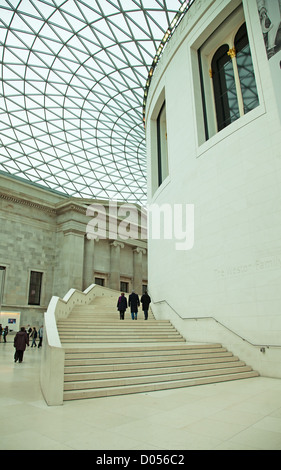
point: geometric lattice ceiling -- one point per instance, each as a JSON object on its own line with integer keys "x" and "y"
{"x": 73, "y": 74}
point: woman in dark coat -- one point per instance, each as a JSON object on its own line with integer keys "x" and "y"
{"x": 20, "y": 342}
{"x": 122, "y": 305}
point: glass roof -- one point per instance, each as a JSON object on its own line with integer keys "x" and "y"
{"x": 73, "y": 75}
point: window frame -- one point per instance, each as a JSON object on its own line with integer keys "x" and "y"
{"x": 37, "y": 295}
{"x": 124, "y": 286}
{"x": 99, "y": 281}
{"x": 162, "y": 146}
{"x": 2, "y": 283}
{"x": 102, "y": 276}
{"x": 153, "y": 142}
{"x": 224, "y": 33}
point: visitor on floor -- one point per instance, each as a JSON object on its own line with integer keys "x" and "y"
{"x": 134, "y": 302}
{"x": 40, "y": 333}
{"x": 28, "y": 329}
{"x": 145, "y": 300}
{"x": 33, "y": 336}
{"x": 20, "y": 342}
{"x": 122, "y": 305}
{"x": 5, "y": 332}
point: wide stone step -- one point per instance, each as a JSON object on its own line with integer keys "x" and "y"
{"x": 114, "y": 326}
{"x": 82, "y": 375}
{"x": 135, "y": 366}
{"x": 95, "y": 320}
{"x": 118, "y": 333}
{"x": 130, "y": 334}
{"x": 109, "y": 340}
{"x": 107, "y": 308}
{"x": 75, "y": 364}
{"x": 163, "y": 349}
{"x": 141, "y": 388}
{"x": 154, "y": 377}
{"x": 117, "y": 330}
{"x": 125, "y": 360}
{"x": 141, "y": 351}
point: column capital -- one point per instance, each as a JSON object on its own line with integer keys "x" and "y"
{"x": 72, "y": 227}
{"x": 117, "y": 244}
{"x": 232, "y": 53}
{"x": 138, "y": 250}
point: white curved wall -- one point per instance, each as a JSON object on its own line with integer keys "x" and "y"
{"x": 233, "y": 271}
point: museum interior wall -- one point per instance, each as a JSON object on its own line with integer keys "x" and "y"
{"x": 214, "y": 144}
{"x": 47, "y": 248}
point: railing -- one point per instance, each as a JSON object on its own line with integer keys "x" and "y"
{"x": 52, "y": 363}
{"x": 220, "y": 323}
{"x": 264, "y": 358}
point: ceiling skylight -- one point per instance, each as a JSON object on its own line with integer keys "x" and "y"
{"x": 73, "y": 75}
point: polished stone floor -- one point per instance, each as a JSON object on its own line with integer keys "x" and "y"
{"x": 244, "y": 414}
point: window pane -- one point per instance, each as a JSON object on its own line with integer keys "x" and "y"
{"x": 2, "y": 282}
{"x": 227, "y": 109}
{"x": 231, "y": 93}
{"x": 99, "y": 281}
{"x": 124, "y": 286}
{"x": 246, "y": 70}
{"x": 35, "y": 288}
{"x": 162, "y": 145}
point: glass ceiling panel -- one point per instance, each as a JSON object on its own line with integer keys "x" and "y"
{"x": 73, "y": 77}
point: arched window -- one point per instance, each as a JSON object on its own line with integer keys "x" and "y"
{"x": 234, "y": 85}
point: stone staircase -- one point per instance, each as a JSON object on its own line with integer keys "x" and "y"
{"x": 105, "y": 356}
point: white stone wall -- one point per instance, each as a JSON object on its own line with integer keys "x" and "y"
{"x": 233, "y": 271}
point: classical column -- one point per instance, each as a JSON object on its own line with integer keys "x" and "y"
{"x": 2, "y": 281}
{"x": 88, "y": 265}
{"x": 71, "y": 256}
{"x": 114, "y": 280}
{"x": 138, "y": 269}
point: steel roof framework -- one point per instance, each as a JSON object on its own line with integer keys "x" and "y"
{"x": 73, "y": 75}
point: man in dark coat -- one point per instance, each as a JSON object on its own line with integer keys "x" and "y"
{"x": 145, "y": 300}
{"x": 122, "y": 305}
{"x": 134, "y": 302}
{"x": 20, "y": 342}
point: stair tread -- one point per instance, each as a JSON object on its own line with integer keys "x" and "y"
{"x": 151, "y": 370}
{"x": 91, "y": 393}
{"x": 164, "y": 347}
{"x": 118, "y": 360}
{"x": 70, "y": 368}
{"x": 75, "y": 385}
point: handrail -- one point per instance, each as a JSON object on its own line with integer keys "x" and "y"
{"x": 53, "y": 354}
{"x": 220, "y": 323}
